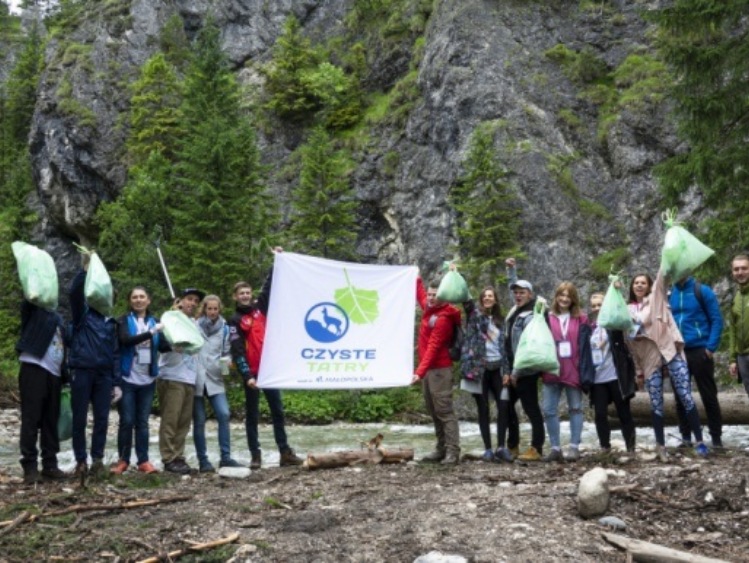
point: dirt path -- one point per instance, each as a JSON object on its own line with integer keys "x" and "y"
{"x": 484, "y": 512}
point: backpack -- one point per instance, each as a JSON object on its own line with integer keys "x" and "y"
{"x": 456, "y": 344}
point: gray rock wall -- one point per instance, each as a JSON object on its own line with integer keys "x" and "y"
{"x": 483, "y": 61}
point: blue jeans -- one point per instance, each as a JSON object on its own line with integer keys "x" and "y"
{"x": 252, "y": 417}
{"x": 134, "y": 409}
{"x": 90, "y": 386}
{"x": 220, "y": 405}
{"x": 551, "y": 395}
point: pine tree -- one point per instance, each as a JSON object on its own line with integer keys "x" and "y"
{"x": 155, "y": 114}
{"x": 706, "y": 44}
{"x": 487, "y": 212}
{"x": 222, "y": 212}
{"x": 324, "y": 207}
{"x": 293, "y": 56}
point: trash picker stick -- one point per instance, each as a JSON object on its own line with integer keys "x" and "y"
{"x": 163, "y": 266}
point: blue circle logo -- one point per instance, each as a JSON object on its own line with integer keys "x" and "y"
{"x": 326, "y": 322}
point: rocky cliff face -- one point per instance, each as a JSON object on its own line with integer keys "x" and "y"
{"x": 584, "y": 192}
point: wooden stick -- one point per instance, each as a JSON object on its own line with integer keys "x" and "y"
{"x": 93, "y": 507}
{"x": 15, "y": 522}
{"x": 651, "y": 552}
{"x": 197, "y": 547}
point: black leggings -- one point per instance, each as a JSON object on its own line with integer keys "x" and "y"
{"x": 526, "y": 389}
{"x": 491, "y": 387}
{"x": 603, "y": 394}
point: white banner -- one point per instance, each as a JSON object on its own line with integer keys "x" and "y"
{"x": 338, "y": 325}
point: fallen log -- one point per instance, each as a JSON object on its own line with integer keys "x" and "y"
{"x": 734, "y": 408}
{"x": 651, "y": 552}
{"x": 193, "y": 548}
{"x": 357, "y": 457}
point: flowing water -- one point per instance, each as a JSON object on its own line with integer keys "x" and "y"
{"x": 348, "y": 436}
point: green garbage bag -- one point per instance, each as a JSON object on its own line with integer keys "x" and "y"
{"x": 682, "y": 252}
{"x": 65, "y": 421}
{"x": 98, "y": 286}
{"x": 453, "y": 287}
{"x": 38, "y": 276}
{"x": 536, "y": 351}
{"x": 182, "y": 332}
{"x": 614, "y": 313}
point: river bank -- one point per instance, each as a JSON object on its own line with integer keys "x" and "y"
{"x": 480, "y": 511}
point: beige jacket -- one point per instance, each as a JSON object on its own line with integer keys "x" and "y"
{"x": 659, "y": 339}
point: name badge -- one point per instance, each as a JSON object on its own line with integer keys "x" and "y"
{"x": 565, "y": 349}
{"x": 144, "y": 356}
{"x": 597, "y": 357}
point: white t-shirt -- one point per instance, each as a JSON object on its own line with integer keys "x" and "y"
{"x": 140, "y": 369}
{"x": 601, "y": 350}
{"x": 53, "y": 357}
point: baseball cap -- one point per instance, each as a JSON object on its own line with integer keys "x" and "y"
{"x": 522, "y": 284}
{"x": 193, "y": 291}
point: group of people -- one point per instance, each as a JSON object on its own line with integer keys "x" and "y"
{"x": 127, "y": 361}
{"x": 676, "y": 331}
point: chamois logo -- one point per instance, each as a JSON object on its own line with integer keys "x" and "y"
{"x": 326, "y": 322}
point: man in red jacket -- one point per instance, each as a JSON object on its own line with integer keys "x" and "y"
{"x": 438, "y": 324}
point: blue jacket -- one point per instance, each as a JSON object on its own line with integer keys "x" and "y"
{"x": 129, "y": 339}
{"x": 700, "y": 327}
{"x": 93, "y": 337}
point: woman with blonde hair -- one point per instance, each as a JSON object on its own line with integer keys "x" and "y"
{"x": 571, "y": 331}
{"x": 213, "y": 365}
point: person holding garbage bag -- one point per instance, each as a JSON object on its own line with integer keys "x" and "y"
{"x": 571, "y": 332}
{"x": 176, "y": 380}
{"x": 481, "y": 367}
{"x": 246, "y": 336}
{"x": 739, "y": 325}
{"x": 615, "y": 373}
{"x": 524, "y": 380}
{"x": 93, "y": 359}
{"x": 434, "y": 370}
{"x": 655, "y": 341}
{"x": 213, "y": 365}
{"x": 140, "y": 344}
{"x": 41, "y": 350}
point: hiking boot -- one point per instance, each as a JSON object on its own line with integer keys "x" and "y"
{"x": 503, "y": 455}
{"x": 53, "y": 474}
{"x": 531, "y": 454}
{"x": 31, "y": 476}
{"x": 435, "y": 457}
{"x": 514, "y": 452}
{"x": 81, "y": 469}
{"x": 661, "y": 453}
{"x": 97, "y": 471}
{"x": 702, "y": 450}
{"x": 177, "y": 466}
{"x": 229, "y": 463}
{"x": 451, "y": 458}
{"x": 573, "y": 454}
{"x": 288, "y": 458}
{"x": 147, "y": 468}
{"x": 686, "y": 443}
{"x": 488, "y": 455}
{"x": 119, "y": 468}
{"x": 257, "y": 460}
{"x": 206, "y": 467}
{"x": 554, "y": 455}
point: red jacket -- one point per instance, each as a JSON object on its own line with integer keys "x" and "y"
{"x": 252, "y": 327}
{"x": 435, "y": 333}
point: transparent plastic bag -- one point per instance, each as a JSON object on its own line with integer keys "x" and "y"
{"x": 98, "y": 287}
{"x": 65, "y": 421}
{"x": 453, "y": 287}
{"x": 37, "y": 274}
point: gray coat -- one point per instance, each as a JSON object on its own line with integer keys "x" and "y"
{"x": 209, "y": 376}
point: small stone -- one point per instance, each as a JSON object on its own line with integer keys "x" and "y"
{"x": 439, "y": 557}
{"x": 234, "y": 472}
{"x": 613, "y": 522}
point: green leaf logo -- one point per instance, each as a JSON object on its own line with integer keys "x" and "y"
{"x": 360, "y": 304}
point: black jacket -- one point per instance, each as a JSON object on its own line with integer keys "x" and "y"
{"x": 37, "y": 329}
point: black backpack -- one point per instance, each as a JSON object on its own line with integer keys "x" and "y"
{"x": 456, "y": 344}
